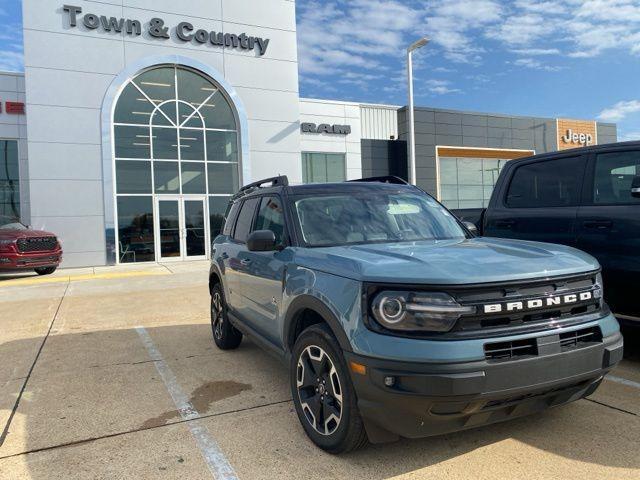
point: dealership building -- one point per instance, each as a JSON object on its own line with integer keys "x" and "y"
{"x": 136, "y": 120}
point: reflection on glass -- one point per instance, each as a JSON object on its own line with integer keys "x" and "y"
{"x": 323, "y": 167}
{"x": 223, "y": 177}
{"x": 188, "y": 116}
{"x": 194, "y": 225}
{"x": 222, "y": 146}
{"x": 217, "y": 208}
{"x": 193, "y": 179}
{"x": 133, "y": 176}
{"x": 193, "y": 88}
{"x": 166, "y": 177}
{"x": 191, "y": 144}
{"x": 217, "y": 113}
{"x": 135, "y": 229}
{"x": 131, "y": 142}
{"x": 9, "y": 180}
{"x": 165, "y": 143}
{"x": 468, "y": 182}
{"x": 158, "y": 84}
{"x": 169, "y": 223}
{"x": 133, "y": 107}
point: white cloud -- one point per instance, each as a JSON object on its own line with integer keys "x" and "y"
{"x": 334, "y": 36}
{"x": 11, "y": 61}
{"x": 534, "y": 64}
{"x": 536, "y": 51}
{"x": 628, "y": 136}
{"x": 619, "y": 111}
{"x": 452, "y": 24}
{"x": 440, "y": 87}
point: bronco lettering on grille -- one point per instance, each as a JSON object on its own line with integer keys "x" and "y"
{"x": 537, "y": 303}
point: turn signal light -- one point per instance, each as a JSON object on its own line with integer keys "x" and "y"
{"x": 358, "y": 368}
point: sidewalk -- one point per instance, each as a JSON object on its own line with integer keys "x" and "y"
{"x": 65, "y": 275}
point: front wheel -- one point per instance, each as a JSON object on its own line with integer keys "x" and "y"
{"x": 323, "y": 395}
{"x": 226, "y": 336}
{"x": 45, "y": 270}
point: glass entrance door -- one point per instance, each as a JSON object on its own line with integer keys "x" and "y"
{"x": 181, "y": 228}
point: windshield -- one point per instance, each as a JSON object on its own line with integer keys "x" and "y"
{"x": 331, "y": 220}
{"x": 10, "y": 223}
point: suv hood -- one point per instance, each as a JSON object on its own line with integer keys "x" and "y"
{"x": 446, "y": 262}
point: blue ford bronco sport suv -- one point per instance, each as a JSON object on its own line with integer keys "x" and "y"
{"x": 397, "y": 321}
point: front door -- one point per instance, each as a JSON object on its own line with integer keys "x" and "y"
{"x": 181, "y": 228}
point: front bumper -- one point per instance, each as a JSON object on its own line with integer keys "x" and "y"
{"x": 29, "y": 261}
{"x": 432, "y": 399}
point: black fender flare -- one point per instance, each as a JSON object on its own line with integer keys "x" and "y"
{"x": 304, "y": 302}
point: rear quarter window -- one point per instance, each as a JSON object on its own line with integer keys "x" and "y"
{"x": 230, "y": 217}
{"x": 548, "y": 183}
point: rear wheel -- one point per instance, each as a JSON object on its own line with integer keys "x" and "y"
{"x": 45, "y": 270}
{"x": 226, "y": 336}
{"x": 322, "y": 392}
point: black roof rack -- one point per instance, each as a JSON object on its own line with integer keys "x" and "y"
{"x": 279, "y": 181}
{"x": 385, "y": 179}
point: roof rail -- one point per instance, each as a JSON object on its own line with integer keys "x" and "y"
{"x": 279, "y": 181}
{"x": 384, "y": 179}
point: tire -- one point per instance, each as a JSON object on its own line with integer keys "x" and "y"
{"x": 45, "y": 270}
{"x": 225, "y": 335}
{"x": 327, "y": 409}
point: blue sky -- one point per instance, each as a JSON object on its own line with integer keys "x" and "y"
{"x": 555, "y": 58}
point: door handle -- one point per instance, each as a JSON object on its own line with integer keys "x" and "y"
{"x": 505, "y": 223}
{"x": 245, "y": 262}
{"x": 224, "y": 255}
{"x": 598, "y": 224}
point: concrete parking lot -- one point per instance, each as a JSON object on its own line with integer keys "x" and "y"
{"x": 112, "y": 373}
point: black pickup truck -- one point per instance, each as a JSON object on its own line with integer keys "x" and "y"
{"x": 588, "y": 198}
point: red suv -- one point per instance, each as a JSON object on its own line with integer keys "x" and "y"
{"x": 25, "y": 249}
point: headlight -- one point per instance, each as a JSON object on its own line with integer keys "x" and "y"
{"x": 417, "y": 311}
{"x": 5, "y": 245}
{"x": 599, "y": 287}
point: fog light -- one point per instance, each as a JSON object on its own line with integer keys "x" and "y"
{"x": 389, "y": 381}
{"x": 5, "y": 260}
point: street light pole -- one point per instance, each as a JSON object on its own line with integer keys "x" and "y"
{"x": 412, "y": 134}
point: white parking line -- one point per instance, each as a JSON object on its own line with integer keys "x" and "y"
{"x": 623, "y": 381}
{"x": 213, "y": 456}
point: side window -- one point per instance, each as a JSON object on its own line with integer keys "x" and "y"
{"x": 245, "y": 218}
{"x": 271, "y": 217}
{"x": 552, "y": 183}
{"x": 614, "y": 174}
{"x": 230, "y": 217}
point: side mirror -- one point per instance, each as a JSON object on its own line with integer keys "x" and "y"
{"x": 261, "y": 241}
{"x": 471, "y": 227}
{"x": 635, "y": 187}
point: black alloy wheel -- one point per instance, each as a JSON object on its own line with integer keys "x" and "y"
{"x": 323, "y": 395}
{"x": 226, "y": 336}
{"x": 319, "y": 390}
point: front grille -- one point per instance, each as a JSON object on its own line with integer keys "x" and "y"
{"x": 543, "y": 345}
{"x": 525, "y": 319}
{"x": 37, "y": 244}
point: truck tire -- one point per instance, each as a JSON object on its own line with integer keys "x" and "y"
{"x": 323, "y": 395}
{"x": 45, "y": 270}
{"x": 226, "y": 336}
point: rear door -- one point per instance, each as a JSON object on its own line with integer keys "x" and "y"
{"x": 609, "y": 225}
{"x": 236, "y": 254}
{"x": 539, "y": 201}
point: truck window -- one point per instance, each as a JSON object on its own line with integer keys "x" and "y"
{"x": 245, "y": 219}
{"x": 271, "y": 217}
{"x": 614, "y": 174}
{"x": 552, "y": 183}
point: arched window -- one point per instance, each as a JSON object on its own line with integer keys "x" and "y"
{"x": 175, "y": 133}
